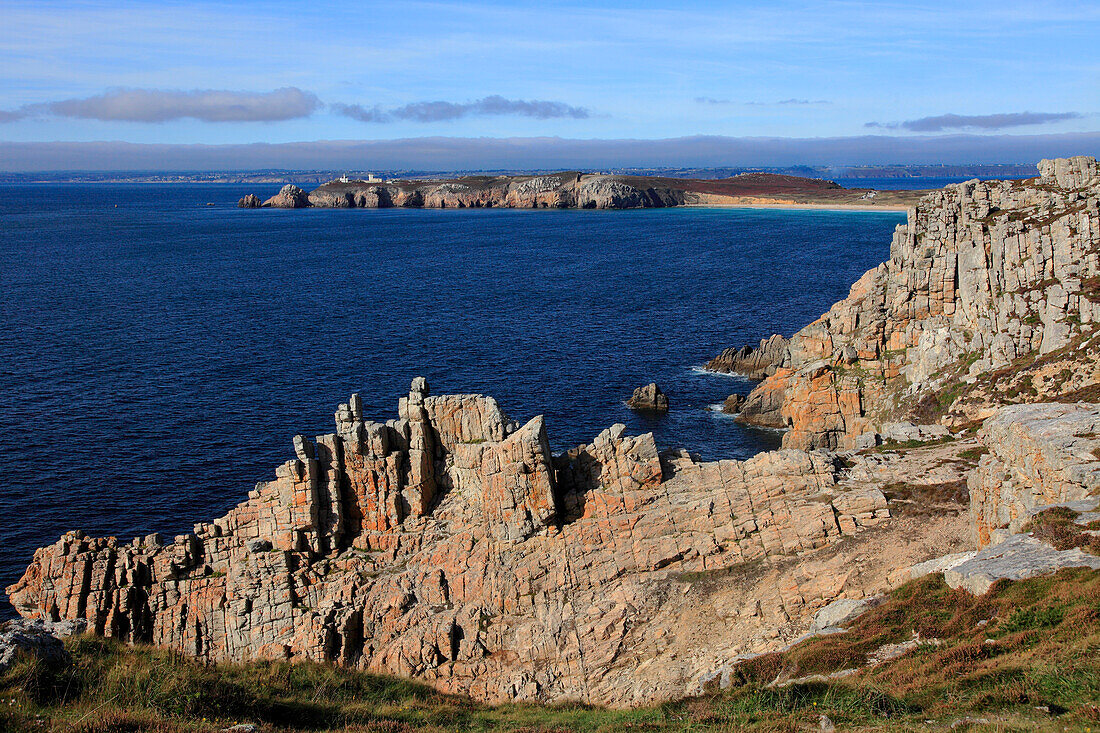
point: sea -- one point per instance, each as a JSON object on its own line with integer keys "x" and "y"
{"x": 160, "y": 348}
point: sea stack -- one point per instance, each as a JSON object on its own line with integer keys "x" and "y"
{"x": 649, "y": 398}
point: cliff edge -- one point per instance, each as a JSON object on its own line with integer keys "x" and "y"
{"x": 991, "y": 296}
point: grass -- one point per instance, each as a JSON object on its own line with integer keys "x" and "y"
{"x": 973, "y": 454}
{"x": 1056, "y": 526}
{"x": 926, "y": 499}
{"x": 1025, "y": 656}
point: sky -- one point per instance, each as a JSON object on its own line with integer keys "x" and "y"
{"x": 185, "y": 73}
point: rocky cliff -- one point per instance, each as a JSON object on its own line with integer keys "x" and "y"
{"x": 558, "y": 191}
{"x": 450, "y": 545}
{"x": 985, "y": 280}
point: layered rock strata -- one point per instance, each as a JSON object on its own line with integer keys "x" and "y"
{"x": 450, "y": 545}
{"x": 983, "y": 273}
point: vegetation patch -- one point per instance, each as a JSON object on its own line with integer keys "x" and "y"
{"x": 926, "y": 499}
{"x": 1025, "y": 654}
{"x": 1057, "y": 527}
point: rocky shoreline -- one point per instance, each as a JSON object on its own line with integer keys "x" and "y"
{"x": 575, "y": 190}
{"x": 935, "y": 418}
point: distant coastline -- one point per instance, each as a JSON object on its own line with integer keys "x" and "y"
{"x": 579, "y": 190}
{"x": 304, "y": 177}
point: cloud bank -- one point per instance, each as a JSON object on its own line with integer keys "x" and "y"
{"x": 446, "y": 111}
{"x": 453, "y": 153}
{"x": 940, "y": 123}
{"x": 288, "y": 103}
{"x": 156, "y": 105}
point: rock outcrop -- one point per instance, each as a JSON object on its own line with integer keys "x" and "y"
{"x": 450, "y": 545}
{"x": 555, "y": 191}
{"x": 574, "y": 190}
{"x": 984, "y": 274}
{"x": 754, "y": 362}
{"x": 648, "y": 398}
{"x": 1039, "y": 456}
{"x": 289, "y": 197}
{"x": 733, "y": 404}
{"x": 1019, "y": 557}
{"x": 37, "y": 639}
{"x": 250, "y": 201}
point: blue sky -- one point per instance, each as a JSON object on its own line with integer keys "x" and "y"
{"x": 306, "y": 71}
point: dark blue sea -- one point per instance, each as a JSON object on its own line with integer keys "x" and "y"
{"x": 157, "y": 354}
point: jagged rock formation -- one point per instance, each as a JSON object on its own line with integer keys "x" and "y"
{"x": 1039, "y": 456}
{"x": 757, "y": 362}
{"x": 250, "y": 201}
{"x": 648, "y": 398}
{"x": 450, "y": 545}
{"x": 983, "y": 274}
{"x": 289, "y": 197}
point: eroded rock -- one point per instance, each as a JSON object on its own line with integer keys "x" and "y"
{"x": 648, "y": 398}
{"x": 1039, "y": 456}
{"x": 449, "y": 545}
{"x": 289, "y": 197}
{"x": 982, "y": 274}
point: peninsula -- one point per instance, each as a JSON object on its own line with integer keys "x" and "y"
{"x": 586, "y": 191}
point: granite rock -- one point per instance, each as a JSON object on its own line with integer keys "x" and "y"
{"x": 648, "y": 398}
{"x": 1039, "y": 456}
{"x": 289, "y": 197}
{"x": 449, "y": 545}
{"x": 36, "y": 638}
{"x": 982, "y": 275}
{"x": 1017, "y": 558}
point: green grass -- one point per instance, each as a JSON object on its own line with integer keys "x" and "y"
{"x": 1010, "y": 656}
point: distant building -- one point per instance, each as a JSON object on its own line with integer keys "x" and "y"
{"x": 371, "y": 178}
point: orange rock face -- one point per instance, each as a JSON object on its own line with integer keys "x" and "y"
{"x": 450, "y": 545}
{"x": 983, "y": 273}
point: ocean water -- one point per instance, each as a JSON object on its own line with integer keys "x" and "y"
{"x": 157, "y": 354}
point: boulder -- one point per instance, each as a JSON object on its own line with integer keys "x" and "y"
{"x": 840, "y": 612}
{"x": 1039, "y": 456}
{"x": 251, "y": 201}
{"x": 37, "y": 638}
{"x": 289, "y": 197}
{"x": 732, "y": 404}
{"x": 1018, "y": 558}
{"x": 649, "y": 398}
